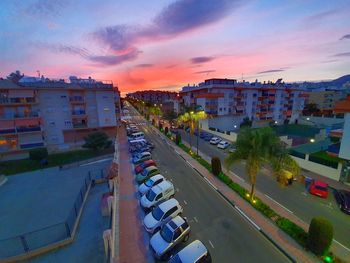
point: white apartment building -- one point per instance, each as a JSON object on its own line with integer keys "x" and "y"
{"x": 58, "y": 114}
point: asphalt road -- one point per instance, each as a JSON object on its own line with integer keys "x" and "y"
{"x": 295, "y": 197}
{"x": 228, "y": 236}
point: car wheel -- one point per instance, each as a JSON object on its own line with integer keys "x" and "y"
{"x": 186, "y": 238}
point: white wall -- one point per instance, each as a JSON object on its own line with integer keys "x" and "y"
{"x": 323, "y": 170}
{"x": 105, "y": 108}
{"x": 345, "y": 141}
{"x": 204, "y": 126}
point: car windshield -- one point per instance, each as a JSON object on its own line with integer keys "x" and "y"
{"x": 150, "y": 195}
{"x": 157, "y": 213}
{"x": 321, "y": 188}
{"x": 149, "y": 183}
{"x": 166, "y": 233}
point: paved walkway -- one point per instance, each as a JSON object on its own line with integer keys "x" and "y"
{"x": 133, "y": 240}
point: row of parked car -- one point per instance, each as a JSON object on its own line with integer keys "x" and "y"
{"x": 164, "y": 220}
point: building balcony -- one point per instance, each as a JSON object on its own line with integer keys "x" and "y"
{"x": 80, "y": 125}
{"x": 18, "y": 101}
{"x": 8, "y": 131}
{"x": 78, "y": 112}
{"x": 26, "y": 115}
{"x": 21, "y": 129}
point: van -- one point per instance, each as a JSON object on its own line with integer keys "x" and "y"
{"x": 138, "y": 141}
{"x": 156, "y": 194}
{"x": 136, "y": 136}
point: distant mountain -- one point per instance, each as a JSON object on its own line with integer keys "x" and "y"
{"x": 342, "y": 80}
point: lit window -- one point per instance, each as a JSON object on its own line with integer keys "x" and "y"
{"x": 106, "y": 109}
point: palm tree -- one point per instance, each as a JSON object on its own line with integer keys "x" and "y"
{"x": 258, "y": 147}
{"x": 192, "y": 119}
{"x": 155, "y": 111}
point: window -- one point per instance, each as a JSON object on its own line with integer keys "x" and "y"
{"x": 106, "y": 109}
{"x": 52, "y": 123}
{"x": 63, "y": 96}
{"x": 67, "y": 123}
{"x": 159, "y": 196}
{"x": 49, "y": 110}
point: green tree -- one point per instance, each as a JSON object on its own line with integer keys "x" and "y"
{"x": 216, "y": 165}
{"x": 97, "y": 141}
{"x": 192, "y": 120}
{"x": 246, "y": 123}
{"x": 256, "y": 147}
{"x": 320, "y": 236}
{"x": 178, "y": 139}
{"x": 38, "y": 154}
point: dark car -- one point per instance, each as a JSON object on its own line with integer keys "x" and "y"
{"x": 202, "y": 135}
{"x": 343, "y": 199}
{"x": 208, "y": 137}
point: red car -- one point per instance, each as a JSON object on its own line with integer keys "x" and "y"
{"x": 319, "y": 188}
{"x": 145, "y": 164}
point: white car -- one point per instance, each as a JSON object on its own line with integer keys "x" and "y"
{"x": 195, "y": 252}
{"x": 223, "y": 145}
{"x": 161, "y": 215}
{"x": 157, "y": 194}
{"x": 174, "y": 232}
{"x": 154, "y": 180}
{"x": 215, "y": 140}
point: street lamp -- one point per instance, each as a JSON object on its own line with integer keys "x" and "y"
{"x": 312, "y": 140}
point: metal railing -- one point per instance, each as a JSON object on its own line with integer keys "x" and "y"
{"x": 45, "y": 236}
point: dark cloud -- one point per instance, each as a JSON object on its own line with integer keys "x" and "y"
{"x": 178, "y": 17}
{"x": 345, "y": 54}
{"x": 345, "y": 37}
{"x": 205, "y": 71}
{"x": 199, "y": 60}
{"x": 67, "y": 49}
{"x": 114, "y": 59}
{"x": 145, "y": 65}
{"x": 46, "y": 7}
{"x": 317, "y": 18}
{"x": 270, "y": 71}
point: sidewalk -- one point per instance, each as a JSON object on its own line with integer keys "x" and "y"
{"x": 133, "y": 245}
{"x": 336, "y": 248}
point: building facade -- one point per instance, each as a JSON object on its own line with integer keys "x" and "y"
{"x": 57, "y": 114}
{"x": 153, "y": 96}
{"x": 257, "y": 101}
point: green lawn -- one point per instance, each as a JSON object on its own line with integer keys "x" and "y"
{"x": 325, "y": 156}
{"x": 20, "y": 166}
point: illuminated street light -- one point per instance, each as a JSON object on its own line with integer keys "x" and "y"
{"x": 234, "y": 126}
{"x": 312, "y": 140}
{"x": 276, "y": 122}
{"x": 191, "y": 112}
{"x": 307, "y": 118}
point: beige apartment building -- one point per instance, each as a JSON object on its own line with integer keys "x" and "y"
{"x": 325, "y": 99}
{"x": 57, "y": 114}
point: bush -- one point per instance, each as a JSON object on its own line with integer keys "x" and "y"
{"x": 293, "y": 230}
{"x": 216, "y": 165}
{"x": 166, "y": 130}
{"x": 38, "y": 154}
{"x": 178, "y": 139}
{"x": 320, "y": 235}
{"x": 97, "y": 141}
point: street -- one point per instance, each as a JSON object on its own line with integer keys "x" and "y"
{"x": 293, "y": 198}
{"x": 228, "y": 236}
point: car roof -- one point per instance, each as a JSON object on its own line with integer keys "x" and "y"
{"x": 148, "y": 161}
{"x": 156, "y": 177}
{"x": 223, "y": 142}
{"x": 192, "y": 252}
{"x": 162, "y": 186}
{"x": 320, "y": 183}
{"x": 176, "y": 222}
{"x": 168, "y": 204}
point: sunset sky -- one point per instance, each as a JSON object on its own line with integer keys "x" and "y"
{"x": 166, "y": 44}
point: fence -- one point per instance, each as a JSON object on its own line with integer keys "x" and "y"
{"x": 30, "y": 241}
{"x": 316, "y": 159}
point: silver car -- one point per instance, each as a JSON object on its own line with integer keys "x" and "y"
{"x": 171, "y": 234}
{"x": 195, "y": 252}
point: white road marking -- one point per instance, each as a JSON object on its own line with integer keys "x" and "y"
{"x": 99, "y": 161}
{"x": 185, "y": 202}
{"x": 240, "y": 178}
{"x": 211, "y": 243}
{"x": 247, "y": 217}
{"x": 210, "y": 183}
{"x": 303, "y": 193}
{"x": 195, "y": 219}
{"x": 348, "y": 249}
{"x": 279, "y": 204}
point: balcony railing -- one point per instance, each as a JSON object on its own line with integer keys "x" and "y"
{"x": 18, "y": 100}
{"x": 79, "y": 125}
{"x": 78, "y": 112}
{"x": 28, "y": 129}
{"x": 8, "y": 131}
{"x": 11, "y": 116}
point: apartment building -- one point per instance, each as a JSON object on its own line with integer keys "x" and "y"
{"x": 153, "y": 96}
{"x": 58, "y": 114}
{"x": 257, "y": 101}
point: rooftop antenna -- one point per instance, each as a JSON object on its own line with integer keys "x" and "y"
{"x": 242, "y": 77}
{"x": 38, "y": 72}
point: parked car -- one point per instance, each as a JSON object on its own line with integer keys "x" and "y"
{"x": 146, "y": 174}
{"x": 208, "y": 137}
{"x": 319, "y": 188}
{"x": 232, "y": 149}
{"x": 343, "y": 199}
{"x": 145, "y": 164}
{"x": 154, "y": 180}
{"x": 161, "y": 215}
{"x": 158, "y": 193}
{"x": 171, "y": 234}
{"x": 195, "y": 252}
{"x": 144, "y": 156}
{"x": 202, "y": 135}
{"x": 215, "y": 140}
{"x": 223, "y": 145}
